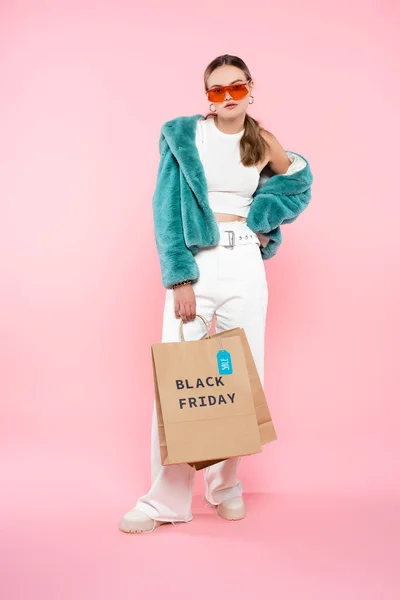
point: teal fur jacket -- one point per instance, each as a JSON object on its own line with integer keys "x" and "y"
{"x": 183, "y": 220}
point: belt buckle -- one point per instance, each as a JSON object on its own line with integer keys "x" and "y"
{"x": 231, "y": 238}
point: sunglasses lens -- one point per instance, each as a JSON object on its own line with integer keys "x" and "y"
{"x": 216, "y": 95}
{"x": 237, "y": 92}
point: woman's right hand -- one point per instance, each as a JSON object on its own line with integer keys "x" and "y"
{"x": 185, "y": 302}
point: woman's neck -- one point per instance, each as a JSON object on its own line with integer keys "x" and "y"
{"x": 229, "y": 125}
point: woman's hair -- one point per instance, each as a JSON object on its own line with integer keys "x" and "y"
{"x": 252, "y": 145}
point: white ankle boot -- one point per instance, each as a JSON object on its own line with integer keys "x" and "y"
{"x": 233, "y": 509}
{"x": 135, "y": 521}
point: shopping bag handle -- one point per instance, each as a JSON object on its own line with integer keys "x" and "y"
{"x": 205, "y": 323}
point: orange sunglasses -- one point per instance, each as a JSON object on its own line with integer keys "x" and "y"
{"x": 236, "y": 90}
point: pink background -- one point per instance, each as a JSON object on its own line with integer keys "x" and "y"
{"x": 85, "y": 88}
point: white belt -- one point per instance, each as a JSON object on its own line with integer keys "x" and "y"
{"x": 229, "y": 237}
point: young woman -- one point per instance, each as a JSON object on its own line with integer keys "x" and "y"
{"x": 224, "y": 187}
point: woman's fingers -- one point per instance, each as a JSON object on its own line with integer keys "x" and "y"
{"x": 183, "y": 313}
{"x": 185, "y": 304}
{"x": 193, "y": 310}
{"x": 189, "y": 311}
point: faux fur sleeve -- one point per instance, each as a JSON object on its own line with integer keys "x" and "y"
{"x": 279, "y": 201}
{"x": 274, "y": 210}
{"x": 176, "y": 260}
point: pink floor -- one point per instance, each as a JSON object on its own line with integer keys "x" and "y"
{"x": 338, "y": 547}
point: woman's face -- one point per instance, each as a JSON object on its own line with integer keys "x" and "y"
{"x": 226, "y": 75}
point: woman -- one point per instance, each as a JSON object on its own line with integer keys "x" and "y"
{"x": 218, "y": 207}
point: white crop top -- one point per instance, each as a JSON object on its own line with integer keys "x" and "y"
{"x": 231, "y": 185}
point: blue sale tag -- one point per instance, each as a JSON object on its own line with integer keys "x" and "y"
{"x": 224, "y": 362}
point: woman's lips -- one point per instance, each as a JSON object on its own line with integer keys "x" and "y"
{"x": 230, "y": 106}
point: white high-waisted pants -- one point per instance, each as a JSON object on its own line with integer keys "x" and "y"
{"x": 233, "y": 287}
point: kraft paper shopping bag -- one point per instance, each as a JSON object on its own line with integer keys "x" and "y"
{"x": 205, "y": 404}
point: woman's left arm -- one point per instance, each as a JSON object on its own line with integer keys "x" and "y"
{"x": 279, "y": 161}
{"x": 279, "y": 200}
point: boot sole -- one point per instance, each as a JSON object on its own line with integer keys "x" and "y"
{"x": 231, "y": 514}
{"x": 139, "y": 531}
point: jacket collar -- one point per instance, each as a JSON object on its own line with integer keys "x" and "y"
{"x": 180, "y": 132}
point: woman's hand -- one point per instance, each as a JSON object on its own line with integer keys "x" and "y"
{"x": 185, "y": 302}
{"x": 264, "y": 239}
